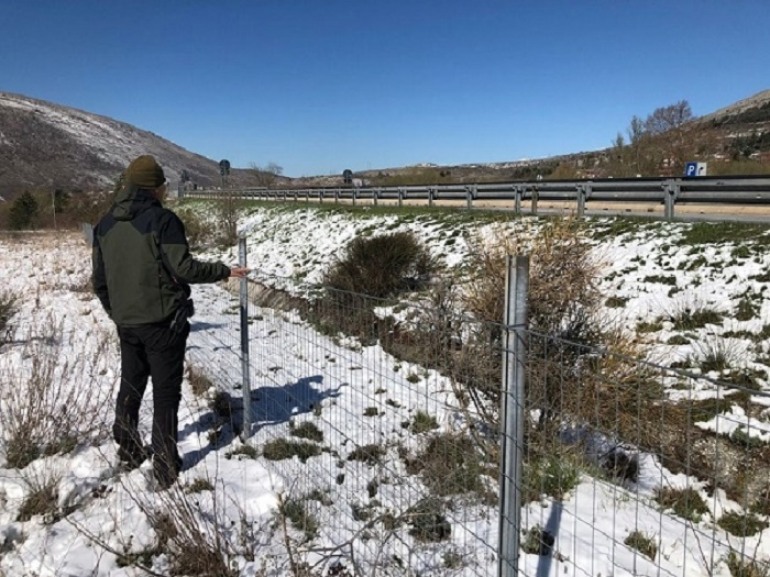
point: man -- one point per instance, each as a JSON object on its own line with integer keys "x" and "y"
{"x": 142, "y": 269}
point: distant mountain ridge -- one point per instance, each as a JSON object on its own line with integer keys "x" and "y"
{"x": 47, "y": 145}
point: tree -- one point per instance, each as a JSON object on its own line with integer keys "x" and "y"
{"x": 23, "y": 212}
{"x": 660, "y": 141}
{"x": 61, "y": 200}
{"x": 636, "y": 140}
{"x": 266, "y": 175}
{"x": 668, "y": 118}
{"x": 667, "y": 124}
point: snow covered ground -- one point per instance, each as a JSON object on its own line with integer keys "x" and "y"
{"x": 104, "y": 522}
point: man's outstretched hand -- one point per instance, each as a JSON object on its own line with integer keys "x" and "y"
{"x": 239, "y": 271}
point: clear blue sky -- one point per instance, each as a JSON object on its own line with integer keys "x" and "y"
{"x": 318, "y": 86}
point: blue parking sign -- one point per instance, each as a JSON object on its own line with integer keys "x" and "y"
{"x": 695, "y": 169}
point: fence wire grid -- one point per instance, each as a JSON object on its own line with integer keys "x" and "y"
{"x": 383, "y": 423}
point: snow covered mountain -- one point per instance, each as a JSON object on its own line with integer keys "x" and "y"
{"x": 48, "y": 145}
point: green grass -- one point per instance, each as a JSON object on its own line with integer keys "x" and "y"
{"x": 296, "y": 510}
{"x": 687, "y": 503}
{"x": 280, "y": 449}
{"x": 742, "y": 524}
{"x": 423, "y": 422}
{"x": 308, "y": 430}
{"x": 725, "y": 232}
{"x": 642, "y": 543}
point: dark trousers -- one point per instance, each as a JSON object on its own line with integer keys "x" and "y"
{"x": 158, "y": 352}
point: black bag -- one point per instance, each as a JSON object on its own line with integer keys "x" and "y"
{"x": 184, "y": 312}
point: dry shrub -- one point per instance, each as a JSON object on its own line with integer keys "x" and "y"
{"x": 200, "y": 384}
{"x": 48, "y": 404}
{"x": 563, "y": 306}
{"x": 451, "y": 464}
{"x": 86, "y": 207}
{"x": 191, "y": 529}
{"x": 41, "y": 495}
{"x": 8, "y": 303}
{"x": 381, "y": 266}
{"x": 564, "y": 272}
{"x": 229, "y": 210}
{"x": 200, "y": 231}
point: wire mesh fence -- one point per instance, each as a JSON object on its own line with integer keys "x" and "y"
{"x": 386, "y": 427}
{"x": 381, "y": 467}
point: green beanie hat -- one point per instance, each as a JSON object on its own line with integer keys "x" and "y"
{"x": 145, "y": 172}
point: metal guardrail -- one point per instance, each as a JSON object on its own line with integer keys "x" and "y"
{"x": 667, "y": 191}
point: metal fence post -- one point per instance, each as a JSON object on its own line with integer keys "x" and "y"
{"x": 245, "y": 365}
{"x": 512, "y": 414}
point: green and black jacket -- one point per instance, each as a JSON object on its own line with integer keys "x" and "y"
{"x": 142, "y": 267}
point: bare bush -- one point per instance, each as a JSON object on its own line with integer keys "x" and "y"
{"x": 228, "y": 210}
{"x": 41, "y": 495}
{"x": 8, "y": 305}
{"x": 196, "y": 533}
{"x": 200, "y": 231}
{"x": 564, "y": 304}
{"x": 49, "y": 404}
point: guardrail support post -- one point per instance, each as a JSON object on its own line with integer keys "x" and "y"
{"x": 468, "y": 197}
{"x": 581, "y": 201}
{"x": 669, "y": 197}
{"x": 375, "y": 196}
{"x": 431, "y": 194}
{"x": 535, "y": 196}
{"x": 517, "y": 191}
{"x": 401, "y": 194}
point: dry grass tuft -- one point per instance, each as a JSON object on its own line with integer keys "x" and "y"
{"x": 50, "y": 404}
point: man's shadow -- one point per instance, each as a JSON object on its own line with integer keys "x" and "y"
{"x": 269, "y": 406}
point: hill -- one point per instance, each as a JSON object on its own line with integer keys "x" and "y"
{"x": 47, "y": 146}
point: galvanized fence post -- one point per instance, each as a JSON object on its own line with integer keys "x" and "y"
{"x": 244, "y": 310}
{"x": 512, "y": 414}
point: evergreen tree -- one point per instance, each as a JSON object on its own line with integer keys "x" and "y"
{"x": 23, "y": 212}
